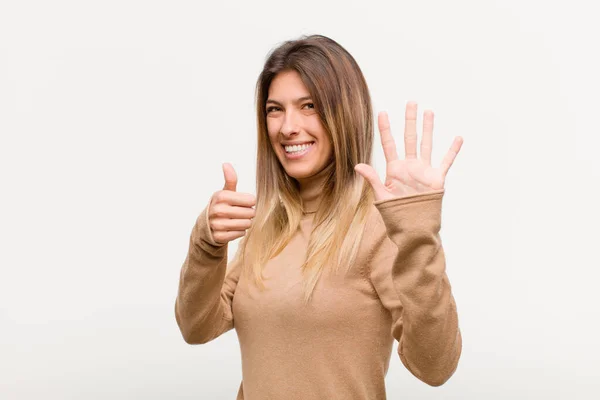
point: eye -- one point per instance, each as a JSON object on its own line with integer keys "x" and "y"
{"x": 273, "y": 108}
{"x": 312, "y": 106}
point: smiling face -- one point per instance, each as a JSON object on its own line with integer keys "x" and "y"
{"x": 297, "y": 135}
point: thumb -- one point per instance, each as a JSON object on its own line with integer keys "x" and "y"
{"x": 370, "y": 175}
{"x": 230, "y": 177}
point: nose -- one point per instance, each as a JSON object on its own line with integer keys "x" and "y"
{"x": 289, "y": 126}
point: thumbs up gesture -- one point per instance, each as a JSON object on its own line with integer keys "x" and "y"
{"x": 230, "y": 213}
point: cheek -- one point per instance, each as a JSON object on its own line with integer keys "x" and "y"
{"x": 274, "y": 143}
{"x": 317, "y": 129}
{"x": 328, "y": 149}
{"x": 326, "y": 144}
{"x": 272, "y": 129}
{"x": 322, "y": 137}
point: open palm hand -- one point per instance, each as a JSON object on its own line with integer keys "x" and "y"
{"x": 411, "y": 175}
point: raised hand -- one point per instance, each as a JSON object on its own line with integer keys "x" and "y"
{"x": 230, "y": 213}
{"x": 412, "y": 175}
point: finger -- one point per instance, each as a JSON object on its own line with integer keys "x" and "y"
{"x": 230, "y": 177}
{"x": 427, "y": 139}
{"x": 226, "y": 224}
{"x": 410, "y": 130}
{"x": 224, "y": 210}
{"x": 387, "y": 140}
{"x": 451, "y": 155}
{"x": 224, "y": 237}
{"x": 235, "y": 198}
{"x": 370, "y": 175}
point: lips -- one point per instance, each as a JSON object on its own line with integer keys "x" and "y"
{"x": 298, "y": 154}
{"x": 297, "y": 147}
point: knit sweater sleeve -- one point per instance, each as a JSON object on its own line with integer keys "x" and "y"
{"x": 206, "y": 286}
{"x": 408, "y": 271}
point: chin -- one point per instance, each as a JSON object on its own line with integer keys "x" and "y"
{"x": 297, "y": 174}
{"x": 301, "y": 173}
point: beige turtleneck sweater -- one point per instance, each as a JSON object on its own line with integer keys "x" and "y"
{"x": 339, "y": 346}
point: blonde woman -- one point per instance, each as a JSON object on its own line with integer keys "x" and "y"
{"x": 333, "y": 264}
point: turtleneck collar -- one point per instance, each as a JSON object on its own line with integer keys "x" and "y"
{"x": 311, "y": 190}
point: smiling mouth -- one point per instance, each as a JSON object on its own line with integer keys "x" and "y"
{"x": 297, "y": 149}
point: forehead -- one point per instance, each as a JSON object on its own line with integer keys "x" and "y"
{"x": 287, "y": 85}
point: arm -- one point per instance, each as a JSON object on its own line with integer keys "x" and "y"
{"x": 206, "y": 287}
{"x": 417, "y": 290}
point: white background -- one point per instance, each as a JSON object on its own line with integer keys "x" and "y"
{"x": 115, "y": 118}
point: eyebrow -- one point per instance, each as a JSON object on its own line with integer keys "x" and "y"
{"x": 298, "y": 100}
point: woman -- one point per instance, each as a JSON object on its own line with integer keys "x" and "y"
{"x": 332, "y": 267}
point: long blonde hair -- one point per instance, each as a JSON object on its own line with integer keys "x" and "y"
{"x": 342, "y": 101}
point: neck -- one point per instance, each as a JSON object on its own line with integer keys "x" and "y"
{"x": 311, "y": 189}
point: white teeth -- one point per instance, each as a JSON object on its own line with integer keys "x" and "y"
{"x": 297, "y": 148}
